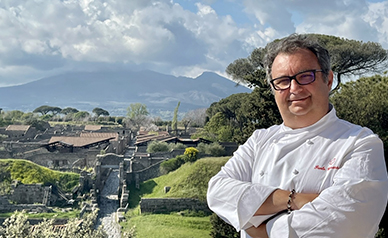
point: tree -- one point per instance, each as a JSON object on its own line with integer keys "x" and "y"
{"x": 99, "y": 111}
{"x": 174, "y": 124}
{"x": 348, "y": 57}
{"x": 351, "y": 57}
{"x": 365, "y": 102}
{"x": 197, "y": 117}
{"x": 217, "y": 129}
{"x": 69, "y": 110}
{"x": 46, "y": 109}
{"x": 137, "y": 109}
{"x": 136, "y": 116}
{"x": 81, "y": 115}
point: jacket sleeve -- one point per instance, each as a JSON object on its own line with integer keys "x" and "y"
{"x": 351, "y": 207}
{"x": 232, "y": 195}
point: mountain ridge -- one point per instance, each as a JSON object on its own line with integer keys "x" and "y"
{"x": 114, "y": 91}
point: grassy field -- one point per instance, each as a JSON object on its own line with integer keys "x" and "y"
{"x": 169, "y": 226}
{"x": 31, "y": 173}
{"x": 189, "y": 181}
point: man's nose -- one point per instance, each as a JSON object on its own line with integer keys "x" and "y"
{"x": 294, "y": 86}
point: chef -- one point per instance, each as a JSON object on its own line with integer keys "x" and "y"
{"x": 314, "y": 175}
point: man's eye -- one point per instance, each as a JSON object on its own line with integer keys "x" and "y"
{"x": 282, "y": 81}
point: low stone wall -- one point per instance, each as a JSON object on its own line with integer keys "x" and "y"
{"x": 5, "y": 207}
{"x": 168, "y": 205}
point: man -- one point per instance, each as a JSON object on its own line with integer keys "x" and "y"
{"x": 312, "y": 176}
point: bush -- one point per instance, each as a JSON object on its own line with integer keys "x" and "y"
{"x": 157, "y": 146}
{"x": 172, "y": 164}
{"x": 214, "y": 149}
{"x": 18, "y": 226}
{"x": 177, "y": 146}
{"x": 221, "y": 229}
{"x": 191, "y": 154}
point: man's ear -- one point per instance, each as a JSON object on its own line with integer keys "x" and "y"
{"x": 330, "y": 79}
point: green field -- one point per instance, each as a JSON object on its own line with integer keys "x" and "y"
{"x": 189, "y": 181}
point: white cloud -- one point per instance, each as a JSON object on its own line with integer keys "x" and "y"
{"x": 44, "y": 37}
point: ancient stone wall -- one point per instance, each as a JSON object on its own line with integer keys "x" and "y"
{"x": 85, "y": 158}
{"x": 137, "y": 177}
{"x": 29, "y": 193}
{"x": 168, "y": 205}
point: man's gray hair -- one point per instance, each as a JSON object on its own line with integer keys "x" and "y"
{"x": 293, "y": 43}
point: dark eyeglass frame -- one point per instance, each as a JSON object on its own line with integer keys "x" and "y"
{"x": 294, "y": 78}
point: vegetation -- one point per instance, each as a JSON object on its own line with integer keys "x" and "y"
{"x": 191, "y": 154}
{"x": 189, "y": 181}
{"x": 214, "y": 149}
{"x": 221, "y": 229}
{"x": 168, "y": 226}
{"x": 100, "y": 112}
{"x": 364, "y": 102}
{"x": 18, "y": 226}
{"x": 157, "y": 146}
{"x": 172, "y": 164}
{"x": 31, "y": 173}
{"x": 174, "y": 123}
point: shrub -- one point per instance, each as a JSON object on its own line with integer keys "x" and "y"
{"x": 191, "y": 154}
{"x": 177, "y": 146}
{"x": 214, "y": 149}
{"x": 157, "y": 146}
{"x": 172, "y": 164}
{"x": 18, "y": 226}
{"x": 221, "y": 229}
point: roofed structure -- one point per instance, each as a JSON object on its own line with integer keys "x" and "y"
{"x": 23, "y": 128}
{"x": 57, "y": 142}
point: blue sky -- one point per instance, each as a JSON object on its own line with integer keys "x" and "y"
{"x": 179, "y": 37}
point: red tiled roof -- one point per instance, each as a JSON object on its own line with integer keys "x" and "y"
{"x": 100, "y": 135}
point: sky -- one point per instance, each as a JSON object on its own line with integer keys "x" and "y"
{"x": 40, "y": 38}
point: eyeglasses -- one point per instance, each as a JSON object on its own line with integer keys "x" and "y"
{"x": 302, "y": 78}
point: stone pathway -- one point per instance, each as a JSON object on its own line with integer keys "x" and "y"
{"x": 108, "y": 206}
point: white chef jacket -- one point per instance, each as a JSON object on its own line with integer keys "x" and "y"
{"x": 341, "y": 161}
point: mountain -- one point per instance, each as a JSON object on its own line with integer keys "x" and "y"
{"x": 115, "y": 91}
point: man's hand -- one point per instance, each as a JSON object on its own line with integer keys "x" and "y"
{"x": 277, "y": 202}
{"x": 300, "y": 199}
{"x": 259, "y": 232}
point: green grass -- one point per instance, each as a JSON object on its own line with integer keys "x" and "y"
{"x": 169, "y": 226}
{"x": 30, "y": 173}
{"x": 189, "y": 181}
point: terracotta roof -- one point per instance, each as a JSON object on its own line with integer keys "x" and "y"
{"x": 17, "y": 128}
{"x": 92, "y": 127}
{"x": 77, "y": 141}
{"x": 100, "y": 135}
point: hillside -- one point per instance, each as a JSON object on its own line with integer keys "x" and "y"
{"x": 114, "y": 91}
{"x": 31, "y": 173}
{"x": 189, "y": 181}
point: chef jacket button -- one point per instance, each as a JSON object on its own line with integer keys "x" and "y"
{"x": 295, "y": 172}
{"x": 261, "y": 173}
{"x": 309, "y": 142}
{"x": 274, "y": 141}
